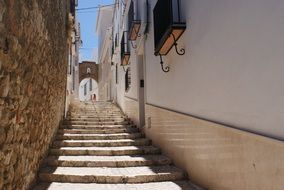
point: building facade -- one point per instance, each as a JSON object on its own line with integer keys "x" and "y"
{"x": 88, "y": 81}
{"x": 203, "y": 80}
{"x": 104, "y": 32}
{"x": 72, "y": 88}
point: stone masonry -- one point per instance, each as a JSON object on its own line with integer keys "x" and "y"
{"x": 33, "y": 46}
{"x": 83, "y": 70}
{"x": 99, "y": 148}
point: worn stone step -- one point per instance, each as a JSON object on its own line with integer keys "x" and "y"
{"x": 166, "y": 185}
{"x": 107, "y": 161}
{"x": 97, "y": 120}
{"x": 96, "y": 117}
{"x": 102, "y": 114}
{"x": 83, "y": 112}
{"x": 91, "y": 127}
{"x": 102, "y": 117}
{"x": 102, "y": 143}
{"x": 105, "y": 151}
{"x": 99, "y": 131}
{"x": 96, "y": 123}
{"x": 111, "y": 175}
{"x": 68, "y": 136}
{"x": 96, "y": 114}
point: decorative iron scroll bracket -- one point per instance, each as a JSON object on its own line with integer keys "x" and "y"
{"x": 124, "y": 69}
{"x": 165, "y": 69}
{"x": 133, "y": 46}
{"x": 137, "y": 32}
{"x": 182, "y": 50}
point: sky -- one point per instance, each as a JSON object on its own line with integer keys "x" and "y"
{"x": 87, "y": 19}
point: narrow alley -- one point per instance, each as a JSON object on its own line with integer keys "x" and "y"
{"x": 98, "y": 147}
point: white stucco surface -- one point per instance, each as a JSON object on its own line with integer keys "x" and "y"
{"x": 232, "y": 71}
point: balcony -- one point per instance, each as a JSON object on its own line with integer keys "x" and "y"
{"x": 168, "y": 25}
{"x": 124, "y": 48}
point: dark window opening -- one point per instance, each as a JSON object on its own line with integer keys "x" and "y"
{"x": 91, "y": 85}
{"x": 133, "y": 23}
{"x": 116, "y": 74}
{"x": 168, "y": 25}
{"x": 73, "y": 79}
{"x": 127, "y": 79}
{"x": 124, "y": 48}
{"x": 85, "y": 89}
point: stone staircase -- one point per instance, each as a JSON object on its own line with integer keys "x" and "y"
{"x": 99, "y": 148}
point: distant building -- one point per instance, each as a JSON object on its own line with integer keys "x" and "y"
{"x": 88, "y": 77}
{"x": 72, "y": 88}
{"x": 104, "y": 31}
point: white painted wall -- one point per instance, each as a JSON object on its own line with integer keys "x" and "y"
{"x": 104, "y": 21}
{"x": 232, "y": 71}
{"x": 94, "y": 90}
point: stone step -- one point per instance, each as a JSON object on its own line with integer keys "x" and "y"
{"x": 99, "y": 131}
{"x": 104, "y": 151}
{"x": 95, "y": 112}
{"x": 96, "y": 123}
{"x": 102, "y": 143}
{"x": 115, "y": 136}
{"x": 96, "y": 116}
{"x": 97, "y": 119}
{"x": 90, "y": 127}
{"x": 111, "y": 175}
{"x": 107, "y": 161}
{"x": 166, "y": 185}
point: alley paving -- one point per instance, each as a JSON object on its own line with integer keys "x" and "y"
{"x": 99, "y": 148}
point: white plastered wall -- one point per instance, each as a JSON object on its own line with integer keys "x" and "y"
{"x": 232, "y": 71}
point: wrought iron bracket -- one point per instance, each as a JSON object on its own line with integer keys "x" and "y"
{"x": 137, "y": 32}
{"x": 179, "y": 51}
{"x": 124, "y": 69}
{"x": 133, "y": 46}
{"x": 165, "y": 69}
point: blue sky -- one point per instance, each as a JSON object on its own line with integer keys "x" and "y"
{"x": 87, "y": 19}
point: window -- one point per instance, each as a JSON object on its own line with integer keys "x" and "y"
{"x": 127, "y": 79}
{"x": 116, "y": 40}
{"x": 88, "y": 70}
{"x": 116, "y": 74}
{"x": 91, "y": 84}
{"x": 133, "y": 23}
{"x": 124, "y": 48}
{"x": 70, "y": 62}
{"x": 168, "y": 25}
{"x": 85, "y": 89}
{"x": 73, "y": 79}
{"x": 112, "y": 50}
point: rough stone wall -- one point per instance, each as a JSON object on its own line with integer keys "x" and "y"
{"x": 83, "y": 70}
{"x": 33, "y": 67}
